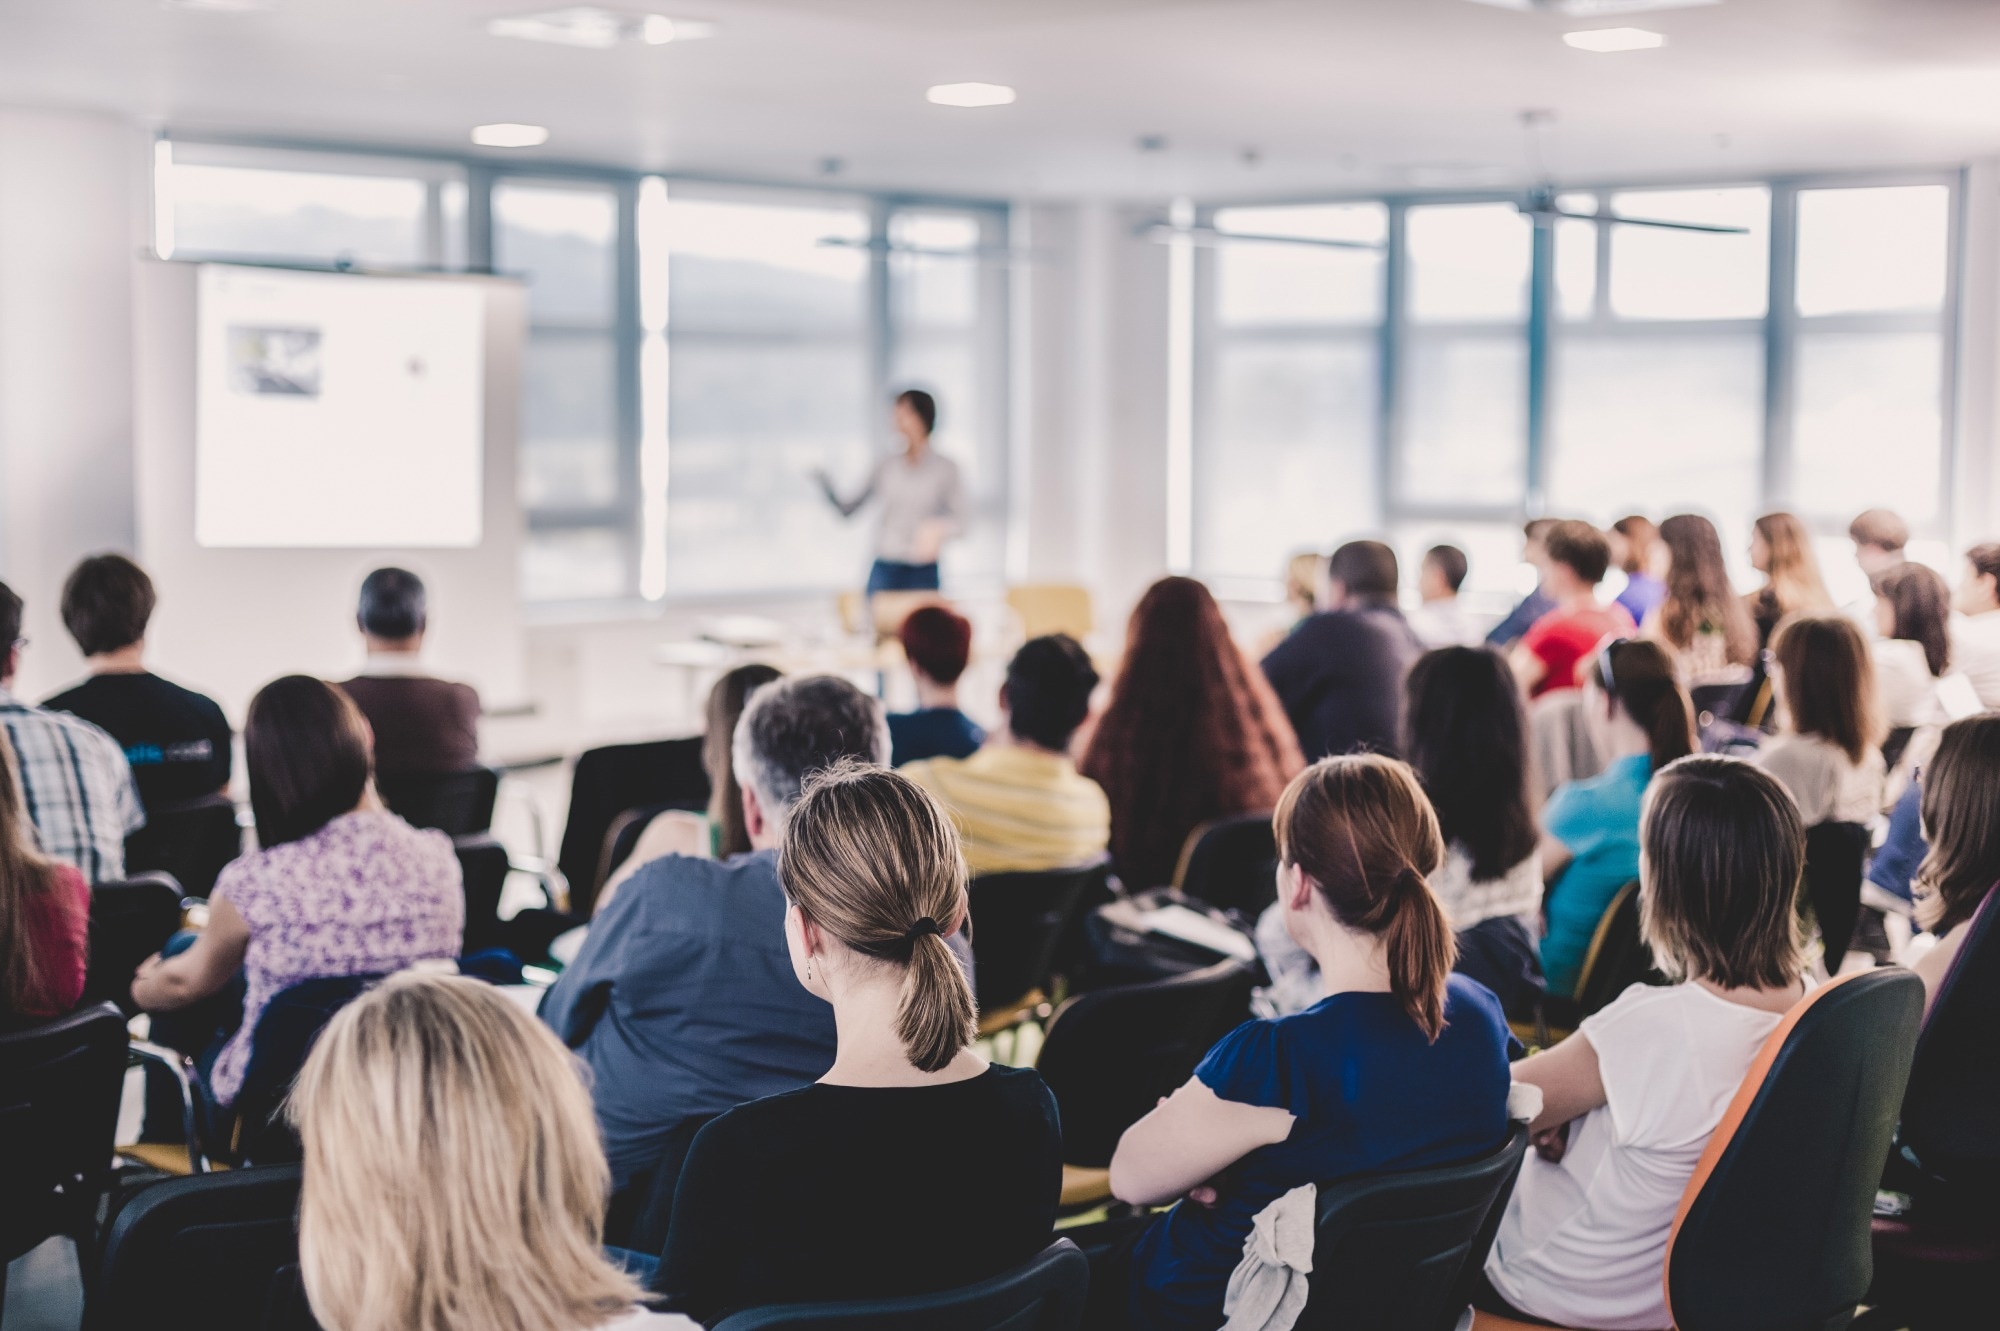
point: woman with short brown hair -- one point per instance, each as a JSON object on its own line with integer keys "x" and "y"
{"x": 1961, "y": 822}
{"x": 1828, "y": 755}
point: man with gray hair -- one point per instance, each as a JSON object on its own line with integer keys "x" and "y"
{"x": 683, "y": 1000}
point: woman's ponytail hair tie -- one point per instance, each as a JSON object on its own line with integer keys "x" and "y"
{"x": 926, "y": 925}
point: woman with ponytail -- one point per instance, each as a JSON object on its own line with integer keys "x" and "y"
{"x": 912, "y": 1166}
{"x": 1400, "y": 1065}
{"x": 1642, "y": 720}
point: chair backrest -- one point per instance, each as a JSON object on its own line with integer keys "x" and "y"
{"x": 1618, "y": 957}
{"x": 1112, "y": 1053}
{"x": 1052, "y": 607}
{"x": 59, "y": 1088}
{"x": 482, "y": 865}
{"x": 193, "y": 840}
{"x": 455, "y": 803}
{"x": 129, "y": 921}
{"x": 1836, "y": 854}
{"x": 621, "y": 839}
{"x": 1951, "y": 1112}
{"x": 1045, "y": 1295}
{"x": 1773, "y": 1230}
{"x": 609, "y": 780}
{"x": 1231, "y": 863}
{"x": 285, "y": 1034}
{"x": 1398, "y": 1251}
{"x": 1018, "y": 919}
{"x": 211, "y": 1245}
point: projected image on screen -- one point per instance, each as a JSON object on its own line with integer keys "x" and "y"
{"x": 338, "y": 410}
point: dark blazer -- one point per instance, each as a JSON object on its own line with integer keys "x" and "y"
{"x": 1340, "y": 676}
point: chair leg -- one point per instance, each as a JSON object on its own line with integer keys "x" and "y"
{"x": 1880, "y": 1319}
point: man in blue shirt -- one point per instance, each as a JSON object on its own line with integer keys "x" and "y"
{"x": 1537, "y": 602}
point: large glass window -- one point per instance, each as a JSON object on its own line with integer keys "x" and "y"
{"x": 309, "y": 208}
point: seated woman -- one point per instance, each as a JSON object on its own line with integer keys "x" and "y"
{"x": 912, "y": 1166}
{"x": 1630, "y": 1100}
{"x": 337, "y": 886}
{"x": 44, "y": 915}
{"x": 1781, "y": 549}
{"x": 1961, "y": 822}
{"x": 1912, "y": 614}
{"x": 1590, "y": 843}
{"x": 452, "y": 1176}
{"x": 1400, "y": 1065}
{"x": 1828, "y": 754}
{"x": 1702, "y": 622}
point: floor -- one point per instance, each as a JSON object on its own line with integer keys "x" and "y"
{"x": 44, "y": 1291}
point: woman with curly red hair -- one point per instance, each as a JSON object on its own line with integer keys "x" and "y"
{"x": 1192, "y": 732}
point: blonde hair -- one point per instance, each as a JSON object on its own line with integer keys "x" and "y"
{"x": 1796, "y": 586}
{"x": 453, "y": 1177}
{"x": 871, "y": 859}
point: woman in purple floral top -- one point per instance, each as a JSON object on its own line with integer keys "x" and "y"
{"x": 340, "y": 885}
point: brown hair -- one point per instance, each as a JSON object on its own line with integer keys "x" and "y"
{"x": 1364, "y": 833}
{"x": 1961, "y": 817}
{"x": 1192, "y": 732}
{"x": 25, "y": 873}
{"x": 1922, "y": 604}
{"x": 1722, "y": 853}
{"x": 1643, "y": 682}
{"x": 1640, "y": 537}
{"x": 1364, "y": 570}
{"x": 725, "y": 797}
{"x": 1580, "y": 548}
{"x": 872, "y": 860}
{"x": 1796, "y": 587}
{"x": 309, "y": 754}
{"x": 1880, "y": 528}
{"x": 1699, "y": 598}
{"x": 1829, "y": 681}
{"x": 107, "y": 602}
{"x": 1985, "y": 560}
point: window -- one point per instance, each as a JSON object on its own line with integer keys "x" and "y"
{"x": 310, "y": 208}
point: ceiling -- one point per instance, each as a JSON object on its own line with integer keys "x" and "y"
{"x": 1253, "y": 98}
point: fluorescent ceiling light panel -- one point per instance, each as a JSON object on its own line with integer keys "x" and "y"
{"x": 1614, "y": 39}
{"x": 217, "y": 6}
{"x": 1594, "y": 8}
{"x": 598, "y": 29}
{"x": 509, "y": 135}
{"x": 970, "y": 94}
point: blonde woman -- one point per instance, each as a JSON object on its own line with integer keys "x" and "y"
{"x": 912, "y": 1166}
{"x": 1781, "y": 549}
{"x": 453, "y": 1180}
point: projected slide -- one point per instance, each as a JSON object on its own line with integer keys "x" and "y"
{"x": 334, "y": 409}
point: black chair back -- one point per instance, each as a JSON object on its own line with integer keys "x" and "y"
{"x": 482, "y": 864}
{"x": 1018, "y": 920}
{"x": 1618, "y": 956}
{"x": 1112, "y": 1053}
{"x": 129, "y": 921}
{"x": 455, "y": 803}
{"x": 1951, "y": 1112}
{"x": 1231, "y": 863}
{"x": 608, "y": 781}
{"x": 286, "y": 1032}
{"x": 1836, "y": 854}
{"x": 1045, "y": 1295}
{"x": 286, "y": 1308}
{"x": 193, "y": 840}
{"x": 641, "y": 1212}
{"x": 59, "y": 1088}
{"x": 1775, "y": 1232}
{"x": 210, "y": 1245}
{"x": 622, "y": 838}
{"x": 1401, "y": 1251}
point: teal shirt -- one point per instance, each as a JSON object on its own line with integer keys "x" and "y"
{"x": 1598, "y": 820}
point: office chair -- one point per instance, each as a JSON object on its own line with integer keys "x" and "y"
{"x": 610, "y": 780}
{"x": 1617, "y": 959}
{"x": 1018, "y": 921}
{"x": 203, "y": 1251}
{"x": 483, "y": 865}
{"x": 286, "y": 1031}
{"x": 1045, "y": 1295}
{"x": 1231, "y": 863}
{"x": 193, "y": 840}
{"x": 129, "y": 921}
{"x": 455, "y": 803}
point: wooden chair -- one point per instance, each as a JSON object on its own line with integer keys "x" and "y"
{"x": 1052, "y": 607}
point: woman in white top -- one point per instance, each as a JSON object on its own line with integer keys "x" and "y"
{"x": 1630, "y": 1100}
{"x": 923, "y": 502}
{"x": 1961, "y": 821}
{"x": 453, "y": 1177}
{"x": 1912, "y": 612}
{"x": 1975, "y": 629}
{"x": 1828, "y": 756}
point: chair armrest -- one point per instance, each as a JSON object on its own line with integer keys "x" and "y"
{"x": 180, "y": 1067}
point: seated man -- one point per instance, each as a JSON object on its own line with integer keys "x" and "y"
{"x": 937, "y": 642}
{"x": 1537, "y": 602}
{"x": 1546, "y": 658}
{"x": 176, "y": 740}
{"x": 1340, "y": 674}
{"x": 1019, "y": 802}
{"x": 423, "y": 726}
{"x": 683, "y": 1000}
{"x": 74, "y": 779}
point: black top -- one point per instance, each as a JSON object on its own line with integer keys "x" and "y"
{"x": 850, "y": 1192}
{"x": 1340, "y": 677}
{"x": 176, "y": 740}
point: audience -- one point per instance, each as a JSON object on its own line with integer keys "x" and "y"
{"x": 1636, "y": 550}
{"x": 682, "y": 999}
{"x": 452, "y": 1177}
{"x": 1975, "y": 630}
{"x": 1400, "y": 1065}
{"x": 1192, "y": 733}
{"x": 912, "y": 1165}
{"x": 1781, "y": 549}
{"x": 1590, "y": 844}
{"x": 1302, "y": 577}
{"x": 1340, "y": 674}
{"x": 1630, "y": 1100}
{"x": 1879, "y": 538}
{"x": 1019, "y": 802}
{"x": 1828, "y": 753}
{"x": 1961, "y": 823}
{"x": 44, "y": 916}
{"x": 424, "y": 726}
{"x": 937, "y": 644}
{"x": 1441, "y": 621}
{"x": 1702, "y": 621}
{"x": 1576, "y": 556}
{"x": 337, "y": 886}
{"x": 1912, "y": 645}
{"x": 1537, "y": 602}
{"x": 176, "y": 741}
{"x": 75, "y": 782}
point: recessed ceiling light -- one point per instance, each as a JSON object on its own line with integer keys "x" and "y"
{"x": 598, "y": 29}
{"x": 509, "y": 135}
{"x": 971, "y": 94}
{"x": 1614, "y": 39}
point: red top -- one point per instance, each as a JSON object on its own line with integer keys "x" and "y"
{"x": 1565, "y": 639}
{"x": 58, "y": 926}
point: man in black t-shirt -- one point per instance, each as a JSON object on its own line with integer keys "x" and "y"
{"x": 176, "y": 740}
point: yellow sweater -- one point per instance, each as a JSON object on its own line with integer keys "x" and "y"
{"x": 1018, "y": 809}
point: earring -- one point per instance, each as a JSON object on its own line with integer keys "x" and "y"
{"x": 809, "y": 970}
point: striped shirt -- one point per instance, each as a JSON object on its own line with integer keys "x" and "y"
{"x": 77, "y": 787}
{"x": 1018, "y": 810}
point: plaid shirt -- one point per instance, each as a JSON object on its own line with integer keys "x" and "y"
{"x": 77, "y": 786}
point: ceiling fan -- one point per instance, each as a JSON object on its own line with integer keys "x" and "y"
{"x": 1542, "y": 206}
{"x": 1208, "y": 237}
{"x": 883, "y": 245}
